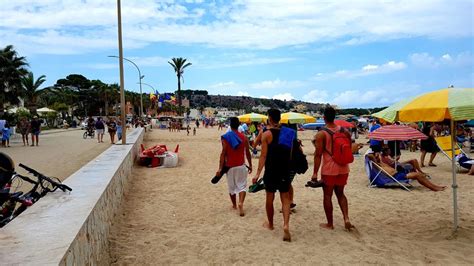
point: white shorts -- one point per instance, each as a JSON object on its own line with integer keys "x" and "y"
{"x": 99, "y": 131}
{"x": 237, "y": 179}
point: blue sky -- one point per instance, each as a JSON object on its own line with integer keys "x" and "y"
{"x": 348, "y": 53}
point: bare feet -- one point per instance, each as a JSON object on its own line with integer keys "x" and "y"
{"x": 267, "y": 225}
{"x": 432, "y": 164}
{"x": 234, "y": 207}
{"x": 327, "y": 226}
{"x": 241, "y": 210}
{"x": 286, "y": 234}
{"x": 348, "y": 225}
{"x": 440, "y": 188}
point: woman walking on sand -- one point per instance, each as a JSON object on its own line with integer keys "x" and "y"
{"x": 24, "y": 128}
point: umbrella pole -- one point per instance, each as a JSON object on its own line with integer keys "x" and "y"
{"x": 395, "y": 149}
{"x": 455, "y": 185}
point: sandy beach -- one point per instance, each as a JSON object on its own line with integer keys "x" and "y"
{"x": 176, "y": 216}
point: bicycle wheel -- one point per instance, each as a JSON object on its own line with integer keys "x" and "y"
{"x": 85, "y": 135}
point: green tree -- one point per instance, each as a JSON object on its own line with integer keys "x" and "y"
{"x": 179, "y": 64}
{"x": 30, "y": 90}
{"x": 12, "y": 69}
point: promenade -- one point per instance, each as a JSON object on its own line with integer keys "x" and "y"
{"x": 60, "y": 152}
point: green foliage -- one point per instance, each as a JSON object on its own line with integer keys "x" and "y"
{"x": 12, "y": 69}
{"x": 23, "y": 113}
{"x": 179, "y": 64}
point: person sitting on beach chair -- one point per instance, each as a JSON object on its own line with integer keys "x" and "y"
{"x": 400, "y": 172}
{"x": 465, "y": 162}
{"x": 409, "y": 164}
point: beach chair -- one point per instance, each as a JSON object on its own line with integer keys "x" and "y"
{"x": 378, "y": 177}
{"x": 444, "y": 144}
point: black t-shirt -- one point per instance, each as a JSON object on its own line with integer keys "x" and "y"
{"x": 99, "y": 125}
{"x": 35, "y": 125}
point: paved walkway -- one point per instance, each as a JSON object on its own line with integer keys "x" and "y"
{"x": 61, "y": 152}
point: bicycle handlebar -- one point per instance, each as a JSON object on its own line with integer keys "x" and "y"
{"x": 39, "y": 175}
{"x": 27, "y": 179}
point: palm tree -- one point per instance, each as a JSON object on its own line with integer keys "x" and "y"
{"x": 179, "y": 64}
{"x": 12, "y": 69}
{"x": 30, "y": 90}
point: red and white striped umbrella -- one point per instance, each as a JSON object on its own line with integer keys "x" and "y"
{"x": 396, "y": 132}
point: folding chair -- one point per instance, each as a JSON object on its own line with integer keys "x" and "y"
{"x": 378, "y": 177}
{"x": 444, "y": 144}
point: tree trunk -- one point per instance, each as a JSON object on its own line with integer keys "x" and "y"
{"x": 106, "y": 106}
{"x": 179, "y": 94}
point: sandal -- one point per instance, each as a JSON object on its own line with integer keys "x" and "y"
{"x": 314, "y": 184}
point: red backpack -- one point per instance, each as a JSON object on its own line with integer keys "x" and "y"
{"x": 341, "y": 147}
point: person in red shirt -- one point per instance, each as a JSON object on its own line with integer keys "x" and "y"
{"x": 234, "y": 146}
{"x": 333, "y": 175}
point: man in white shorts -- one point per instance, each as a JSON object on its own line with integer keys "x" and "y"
{"x": 234, "y": 146}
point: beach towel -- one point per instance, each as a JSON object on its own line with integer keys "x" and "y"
{"x": 232, "y": 138}
{"x": 287, "y": 136}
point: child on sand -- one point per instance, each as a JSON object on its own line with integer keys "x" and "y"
{"x": 6, "y": 135}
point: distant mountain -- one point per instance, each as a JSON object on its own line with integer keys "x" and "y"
{"x": 201, "y": 98}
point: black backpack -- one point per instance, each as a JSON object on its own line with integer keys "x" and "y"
{"x": 298, "y": 162}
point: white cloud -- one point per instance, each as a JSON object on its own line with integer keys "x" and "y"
{"x": 82, "y": 26}
{"x": 276, "y": 84}
{"x": 247, "y": 62}
{"x": 264, "y": 97}
{"x": 243, "y": 93}
{"x": 283, "y": 96}
{"x": 374, "y": 97}
{"x": 316, "y": 96}
{"x": 426, "y": 60}
{"x": 366, "y": 70}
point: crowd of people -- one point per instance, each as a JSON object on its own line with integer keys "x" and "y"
{"x": 278, "y": 174}
{"x": 25, "y": 127}
{"x": 328, "y": 172}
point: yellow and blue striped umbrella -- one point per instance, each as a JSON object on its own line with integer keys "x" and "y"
{"x": 252, "y": 117}
{"x": 453, "y": 103}
{"x": 296, "y": 118}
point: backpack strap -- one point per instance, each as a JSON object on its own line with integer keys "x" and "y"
{"x": 331, "y": 133}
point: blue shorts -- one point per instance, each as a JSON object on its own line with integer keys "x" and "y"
{"x": 36, "y": 133}
{"x": 401, "y": 175}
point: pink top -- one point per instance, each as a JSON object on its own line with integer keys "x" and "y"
{"x": 329, "y": 167}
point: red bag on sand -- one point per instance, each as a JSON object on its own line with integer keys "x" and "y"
{"x": 341, "y": 146}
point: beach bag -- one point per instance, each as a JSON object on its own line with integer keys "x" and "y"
{"x": 341, "y": 147}
{"x": 298, "y": 162}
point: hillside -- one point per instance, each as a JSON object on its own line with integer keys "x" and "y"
{"x": 201, "y": 99}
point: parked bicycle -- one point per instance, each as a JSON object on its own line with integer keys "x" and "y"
{"x": 13, "y": 204}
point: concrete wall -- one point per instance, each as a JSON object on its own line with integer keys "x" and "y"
{"x": 73, "y": 228}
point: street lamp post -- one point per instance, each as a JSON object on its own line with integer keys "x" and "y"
{"x": 122, "y": 92}
{"x": 140, "y": 77}
{"x": 153, "y": 89}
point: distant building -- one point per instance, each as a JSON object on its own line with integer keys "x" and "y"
{"x": 194, "y": 113}
{"x": 300, "y": 108}
{"x": 260, "y": 108}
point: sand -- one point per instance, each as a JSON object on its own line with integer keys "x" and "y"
{"x": 176, "y": 216}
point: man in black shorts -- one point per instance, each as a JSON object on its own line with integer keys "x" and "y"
{"x": 275, "y": 157}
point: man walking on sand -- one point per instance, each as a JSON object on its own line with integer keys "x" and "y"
{"x": 334, "y": 175}
{"x": 234, "y": 145}
{"x": 275, "y": 157}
